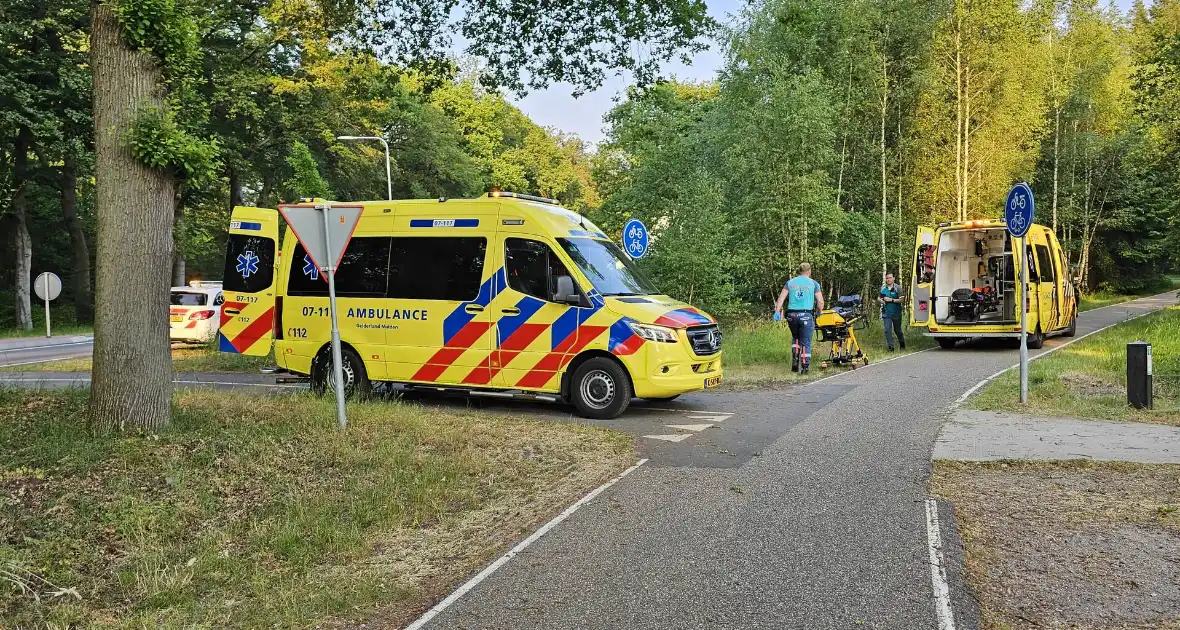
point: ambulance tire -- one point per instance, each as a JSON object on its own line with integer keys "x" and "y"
{"x": 1036, "y": 340}
{"x": 356, "y": 379}
{"x": 600, "y": 389}
{"x": 1073, "y": 326}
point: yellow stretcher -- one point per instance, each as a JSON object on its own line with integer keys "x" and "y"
{"x": 836, "y": 325}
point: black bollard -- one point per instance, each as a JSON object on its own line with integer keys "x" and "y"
{"x": 1139, "y": 374}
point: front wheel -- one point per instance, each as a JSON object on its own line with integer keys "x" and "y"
{"x": 600, "y": 389}
{"x": 356, "y": 379}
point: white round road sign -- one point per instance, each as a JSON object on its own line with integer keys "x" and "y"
{"x": 47, "y": 286}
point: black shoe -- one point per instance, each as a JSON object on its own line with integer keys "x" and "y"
{"x": 804, "y": 370}
{"x": 903, "y": 346}
{"x": 891, "y": 348}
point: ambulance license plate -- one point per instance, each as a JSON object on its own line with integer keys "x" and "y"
{"x": 712, "y": 381}
{"x": 176, "y": 318}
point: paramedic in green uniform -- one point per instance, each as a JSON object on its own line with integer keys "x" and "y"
{"x": 802, "y": 295}
{"x": 892, "y": 299}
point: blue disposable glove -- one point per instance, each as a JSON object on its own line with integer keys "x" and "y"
{"x": 778, "y": 316}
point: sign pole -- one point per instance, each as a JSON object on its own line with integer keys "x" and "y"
{"x": 337, "y": 372}
{"x": 1023, "y": 322}
{"x": 48, "y": 332}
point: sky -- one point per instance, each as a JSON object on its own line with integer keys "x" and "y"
{"x": 555, "y": 107}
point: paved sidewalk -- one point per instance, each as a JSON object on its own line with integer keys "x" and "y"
{"x": 988, "y": 436}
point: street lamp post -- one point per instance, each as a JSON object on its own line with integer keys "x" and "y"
{"x": 388, "y": 177}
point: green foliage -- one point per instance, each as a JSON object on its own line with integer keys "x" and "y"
{"x": 306, "y": 180}
{"x": 165, "y": 29}
{"x": 158, "y": 141}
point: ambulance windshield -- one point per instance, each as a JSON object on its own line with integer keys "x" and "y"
{"x": 608, "y": 269}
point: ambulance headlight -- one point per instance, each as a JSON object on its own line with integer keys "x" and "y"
{"x": 651, "y": 332}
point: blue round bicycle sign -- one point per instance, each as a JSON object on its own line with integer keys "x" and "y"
{"x": 635, "y": 238}
{"x": 1018, "y": 210}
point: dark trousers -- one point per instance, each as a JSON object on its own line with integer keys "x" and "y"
{"x": 894, "y": 322}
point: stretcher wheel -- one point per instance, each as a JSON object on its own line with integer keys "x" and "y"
{"x": 865, "y": 360}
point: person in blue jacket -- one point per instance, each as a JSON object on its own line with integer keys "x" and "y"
{"x": 802, "y": 296}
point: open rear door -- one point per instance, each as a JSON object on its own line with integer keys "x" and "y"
{"x": 923, "y": 277}
{"x": 248, "y": 283}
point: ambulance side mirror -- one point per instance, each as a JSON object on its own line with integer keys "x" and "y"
{"x": 566, "y": 293}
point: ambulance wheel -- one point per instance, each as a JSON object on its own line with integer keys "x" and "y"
{"x": 1073, "y": 326}
{"x": 600, "y": 389}
{"x": 356, "y": 379}
{"x": 947, "y": 343}
{"x": 1036, "y": 340}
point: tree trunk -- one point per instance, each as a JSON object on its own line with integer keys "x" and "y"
{"x": 132, "y": 374}
{"x": 1056, "y": 162}
{"x": 959, "y": 113}
{"x": 83, "y": 307}
{"x": 964, "y": 215}
{"x": 884, "y": 183}
{"x": 178, "y": 262}
{"x": 22, "y": 244}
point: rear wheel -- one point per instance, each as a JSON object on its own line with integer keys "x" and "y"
{"x": 1073, "y": 325}
{"x": 356, "y": 379}
{"x": 600, "y": 389}
{"x": 946, "y": 343}
{"x": 1036, "y": 340}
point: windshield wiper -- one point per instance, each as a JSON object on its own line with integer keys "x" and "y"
{"x": 623, "y": 294}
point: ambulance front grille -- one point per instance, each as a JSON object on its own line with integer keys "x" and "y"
{"x": 705, "y": 340}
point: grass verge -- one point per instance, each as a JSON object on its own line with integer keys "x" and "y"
{"x": 39, "y": 331}
{"x": 1069, "y": 544}
{"x": 758, "y": 352}
{"x": 1098, "y": 299}
{"x": 184, "y": 359}
{"x": 1088, "y": 379}
{"x": 250, "y": 515}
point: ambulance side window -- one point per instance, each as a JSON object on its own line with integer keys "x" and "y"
{"x": 436, "y": 268}
{"x": 1046, "y": 262}
{"x": 363, "y": 272}
{"x": 532, "y": 268}
{"x": 249, "y": 263}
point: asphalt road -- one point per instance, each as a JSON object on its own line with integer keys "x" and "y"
{"x": 27, "y": 351}
{"x": 795, "y": 508}
{"x": 817, "y": 520}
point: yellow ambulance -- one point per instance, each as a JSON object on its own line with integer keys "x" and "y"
{"x": 507, "y": 295}
{"x": 966, "y": 283}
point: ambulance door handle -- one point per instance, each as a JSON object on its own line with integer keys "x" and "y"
{"x": 233, "y": 311}
{"x": 511, "y": 311}
{"x": 472, "y": 309}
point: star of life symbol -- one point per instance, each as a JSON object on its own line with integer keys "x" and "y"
{"x": 310, "y": 269}
{"x": 247, "y": 264}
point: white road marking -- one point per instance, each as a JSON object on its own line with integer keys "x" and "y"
{"x": 721, "y": 417}
{"x": 87, "y": 340}
{"x": 646, "y": 408}
{"x": 967, "y": 394}
{"x": 679, "y": 437}
{"x": 491, "y": 568}
{"x": 65, "y": 358}
{"x": 689, "y": 427}
{"x": 942, "y": 591}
